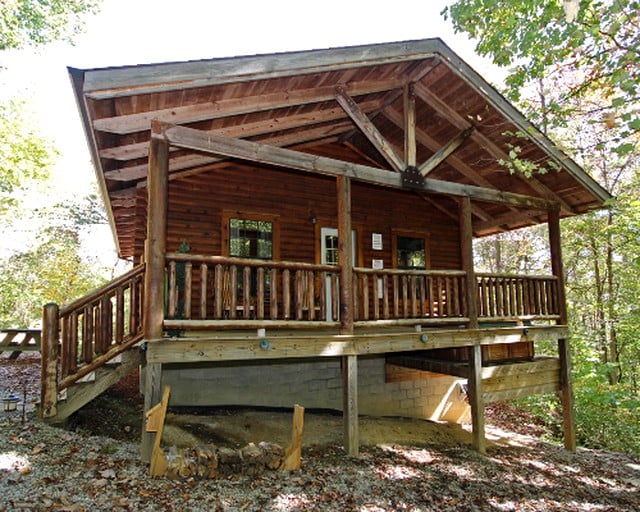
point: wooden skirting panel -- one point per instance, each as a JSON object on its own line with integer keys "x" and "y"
{"x": 499, "y": 382}
{"x": 396, "y": 373}
{"x": 521, "y": 379}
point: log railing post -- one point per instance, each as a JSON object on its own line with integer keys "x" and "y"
{"x": 49, "y": 363}
{"x": 466, "y": 253}
{"x": 564, "y": 355}
{"x": 155, "y": 253}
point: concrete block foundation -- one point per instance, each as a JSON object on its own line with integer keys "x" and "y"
{"x": 317, "y": 384}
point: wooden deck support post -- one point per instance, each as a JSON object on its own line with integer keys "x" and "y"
{"x": 49, "y": 365}
{"x": 349, "y": 362}
{"x": 155, "y": 249}
{"x": 476, "y": 400}
{"x": 566, "y": 387}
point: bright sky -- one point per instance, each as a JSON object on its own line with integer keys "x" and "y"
{"x": 146, "y": 31}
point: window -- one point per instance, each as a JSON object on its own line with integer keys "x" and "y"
{"x": 411, "y": 250}
{"x": 251, "y": 238}
{"x": 411, "y": 253}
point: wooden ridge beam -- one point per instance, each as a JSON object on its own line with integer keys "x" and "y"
{"x": 446, "y": 150}
{"x": 190, "y": 138}
{"x": 369, "y": 130}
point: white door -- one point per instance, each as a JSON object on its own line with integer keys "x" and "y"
{"x": 329, "y": 256}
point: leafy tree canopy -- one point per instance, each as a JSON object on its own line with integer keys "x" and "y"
{"x": 595, "y": 55}
{"x": 24, "y": 154}
{"x": 37, "y": 22}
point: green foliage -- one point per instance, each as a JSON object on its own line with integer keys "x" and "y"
{"x": 52, "y": 269}
{"x": 24, "y": 154}
{"x": 580, "y": 80}
{"x": 598, "y": 55}
{"x": 37, "y": 22}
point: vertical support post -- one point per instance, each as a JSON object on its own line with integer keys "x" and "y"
{"x": 350, "y": 404}
{"x": 49, "y": 365}
{"x": 564, "y": 355}
{"x": 155, "y": 250}
{"x": 155, "y": 244}
{"x": 476, "y": 400}
{"x": 466, "y": 253}
{"x": 345, "y": 254}
{"x": 349, "y": 363}
{"x": 409, "y": 126}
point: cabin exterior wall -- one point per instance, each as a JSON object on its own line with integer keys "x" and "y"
{"x": 316, "y": 384}
{"x": 301, "y": 205}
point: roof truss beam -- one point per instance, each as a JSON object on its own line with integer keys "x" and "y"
{"x": 265, "y": 154}
{"x": 249, "y": 129}
{"x": 370, "y": 131}
{"x": 443, "y": 153}
{"x": 461, "y": 123}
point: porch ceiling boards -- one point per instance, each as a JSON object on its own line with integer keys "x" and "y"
{"x": 388, "y": 106}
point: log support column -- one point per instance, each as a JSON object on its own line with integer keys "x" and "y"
{"x": 350, "y": 362}
{"x": 49, "y": 365}
{"x": 476, "y": 400}
{"x": 155, "y": 249}
{"x": 564, "y": 355}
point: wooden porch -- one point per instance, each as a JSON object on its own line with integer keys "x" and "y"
{"x": 220, "y": 309}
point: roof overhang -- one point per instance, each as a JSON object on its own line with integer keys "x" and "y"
{"x": 390, "y": 107}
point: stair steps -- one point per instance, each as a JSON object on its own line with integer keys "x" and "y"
{"x": 96, "y": 383}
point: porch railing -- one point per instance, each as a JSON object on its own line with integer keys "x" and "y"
{"x": 83, "y": 335}
{"x": 404, "y": 296}
{"x": 205, "y": 291}
{"x": 508, "y": 296}
{"x": 100, "y": 324}
{"x": 218, "y": 288}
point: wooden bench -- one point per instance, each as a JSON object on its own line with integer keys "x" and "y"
{"x": 17, "y": 341}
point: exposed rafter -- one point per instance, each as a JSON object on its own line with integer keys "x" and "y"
{"x": 225, "y": 107}
{"x": 249, "y": 129}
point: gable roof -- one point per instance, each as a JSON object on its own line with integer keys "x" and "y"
{"x": 347, "y": 101}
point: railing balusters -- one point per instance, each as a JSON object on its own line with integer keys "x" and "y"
{"x": 172, "y": 299}
{"x": 365, "y": 297}
{"x": 273, "y": 293}
{"x": 375, "y": 296}
{"x": 385, "y": 297}
{"x": 260, "y": 293}
{"x": 203, "y": 291}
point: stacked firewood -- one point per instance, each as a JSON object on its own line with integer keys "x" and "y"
{"x": 210, "y": 462}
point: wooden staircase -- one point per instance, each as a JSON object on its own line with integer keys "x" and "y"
{"x": 90, "y": 344}
{"x": 95, "y": 383}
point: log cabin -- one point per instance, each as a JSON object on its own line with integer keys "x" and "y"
{"x": 301, "y": 226}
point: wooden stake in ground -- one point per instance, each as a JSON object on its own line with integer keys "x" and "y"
{"x": 155, "y": 423}
{"x": 293, "y": 452}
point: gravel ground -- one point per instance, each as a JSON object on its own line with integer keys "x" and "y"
{"x": 48, "y": 468}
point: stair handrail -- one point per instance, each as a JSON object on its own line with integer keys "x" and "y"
{"x": 93, "y": 314}
{"x": 102, "y": 290}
